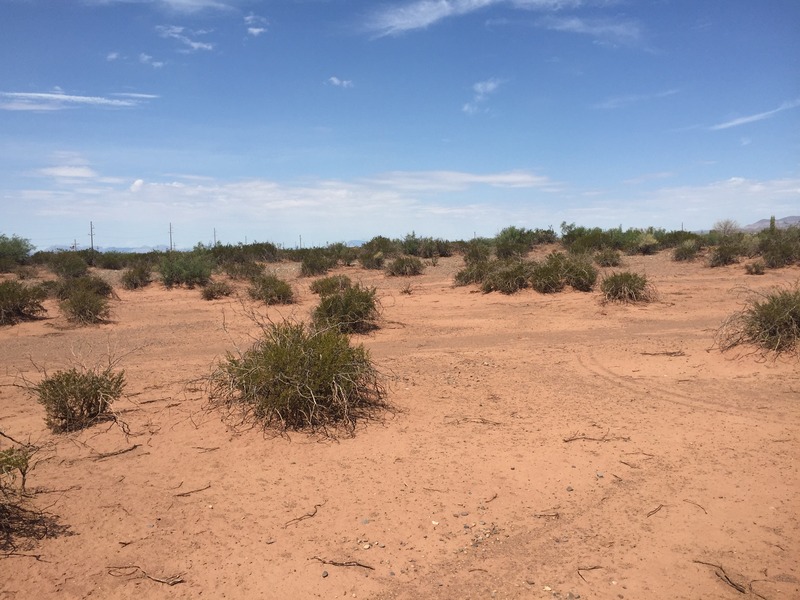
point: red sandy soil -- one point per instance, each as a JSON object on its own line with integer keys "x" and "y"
{"x": 540, "y": 446}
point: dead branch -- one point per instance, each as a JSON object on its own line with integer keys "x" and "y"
{"x": 490, "y": 499}
{"x": 134, "y": 569}
{"x": 720, "y": 572}
{"x": 308, "y": 515}
{"x": 204, "y": 450}
{"x": 105, "y": 455}
{"x": 553, "y": 515}
{"x": 655, "y": 510}
{"x": 673, "y": 353}
{"x": 336, "y": 563}
{"x": 575, "y": 436}
{"x": 586, "y": 569}
{"x": 190, "y": 492}
{"x": 697, "y": 505}
{"x": 455, "y": 420}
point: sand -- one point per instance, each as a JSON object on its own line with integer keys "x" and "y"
{"x": 538, "y": 446}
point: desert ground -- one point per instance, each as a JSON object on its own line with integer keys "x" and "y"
{"x": 538, "y": 446}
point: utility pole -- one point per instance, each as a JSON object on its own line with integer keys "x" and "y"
{"x": 91, "y": 235}
{"x": 301, "y": 241}
{"x": 170, "y": 238}
{"x": 215, "y": 236}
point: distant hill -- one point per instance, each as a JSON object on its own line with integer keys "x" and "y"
{"x": 779, "y": 223}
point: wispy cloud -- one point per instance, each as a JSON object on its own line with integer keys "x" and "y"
{"x": 181, "y": 34}
{"x": 607, "y": 31}
{"x": 756, "y": 117}
{"x": 481, "y": 90}
{"x": 336, "y": 82}
{"x": 69, "y": 172}
{"x": 48, "y": 101}
{"x": 182, "y": 6}
{"x": 439, "y": 181}
{"x": 255, "y": 25}
{"x": 420, "y": 14}
{"x": 623, "y": 101}
{"x": 112, "y": 56}
{"x": 146, "y": 59}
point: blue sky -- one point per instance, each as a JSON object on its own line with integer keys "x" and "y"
{"x": 344, "y": 119}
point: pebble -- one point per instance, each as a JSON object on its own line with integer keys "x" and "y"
{"x": 324, "y": 574}
{"x": 599, "y": 475}
{"x": 569, "y": 488}
{"x": 366, "y": 546}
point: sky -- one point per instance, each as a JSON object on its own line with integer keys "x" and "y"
{"x": 308, "y": 122}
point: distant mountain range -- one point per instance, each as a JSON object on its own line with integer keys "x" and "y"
{"x": 779, "y": 223}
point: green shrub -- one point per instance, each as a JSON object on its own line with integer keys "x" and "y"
{"x": 506, "y": 276}
{"x": 16, "y": 459}
{"x": 270, "y": 289}
{"x": 726, "y": 253}
{"x": 627, "y": 287}
{"x": 185, "y": 268}
{"x": 687, "y": 250}
{"x": 90, "y": 283}
{"x": 512, "y": 242}
{"x": 331, "y": 285}
{"x": 24, "y": 272}
{"x": 779, "y": 247}
{"x": 84, "y": 306}
{"x": 316, "y": 262}
{"x": 646, "y": 243}
{"x": 474, "y": 272}
{"x": 371, "y": 261}
{"x": 769, "y": 320}
{"x": 755, "y": 268}
{"x": 352, "y": 310}
{"x": 579, "y": 273}
{"x": 68, "y": 264}
{"x": 608, "y": 257}
{"x": 242, "y": 270}
{"x": 112, "y": 260}
{"x": 295, "y": 378}
{"x": 405, "y": 266}
{"x": 14, "y": 251}
{"x": 477, "y": 251}
{"x": 75, "y": 399}
{"x": 19, "y": 302}
{"x": 547, "y": 277}
{"x": 136, "y": 277}
{"x": 216, "y": 290}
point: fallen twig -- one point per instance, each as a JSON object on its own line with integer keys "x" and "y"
{"x": 336, "y": 563}
{"x": 308, "y": 515}
{"x": 203, "y": 450}
{"x": 133, "y": 569}
{"x": 459, "y": 420}
{"x": 720, "y": 572}
{"x": 490, "y": 499}
{"x": 586, "y": 569}
{"x": 605, "y": 438}
{"x": 655, "y": 510}
{"x": 105, "y": 455}
{"x": 673, "y": 353}
{"x": 553, "y": 515}
{"x": 697, "y": 505}
{"x": 190, "y": 492}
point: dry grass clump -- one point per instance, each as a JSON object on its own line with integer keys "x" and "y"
{"x": 405, "y": 266}
{"x": 216, "y": 290}
{"x": 136, "y": 277}
{"x": 769, "y": 320}
{"x": 77, "y": 398}
{"x": 626, "y": 286}
{"x": 608, "y": 257}
{"x": 331, "y": 285}
{"x": 271, "y": 289}
{"x": 351, "y": 310}
{"x": 19, "y": 302}
{"x": 298, "y": 378}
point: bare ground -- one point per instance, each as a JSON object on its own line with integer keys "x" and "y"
{"x": 540, "y": 446}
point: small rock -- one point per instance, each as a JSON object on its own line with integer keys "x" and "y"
{"x": 569, "y": 488}
{"x": 599, "y": 475}
{"x": 366, "y": 546}
{"x": 435, "y": 523}
{"x": 324, "y": 574}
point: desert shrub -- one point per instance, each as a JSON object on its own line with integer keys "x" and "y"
{"x": 474, "y": 272}
{"x": 608, "y": 257}
{"x": 19, "y": 302}
{"x": 506, "y": 276}
{"x": 13, "y": 461}
{"x": 352, "y": 310}
{"x": 755, "y": 268}
{"x": 431, "y": 248}
{"x": 646, "y": 243}
{"x": 65, "y": 288}
{"x": 84, "y": 306}
{"x": 673, "y": 239}
{"x": 271, "y": 289}
{"x": 779, "y": 247}
{"x": 112, "y": 260}
{"x": 24, "y": 272}
{"x": 405, "y": 266}
{"x": 625, "y": 286}
{"x": 579, "y": 273}
{"x": 137, "y": 276}
{"x": 769, "y": 320}
{"x": 512, "y": 242}
{"x": 547, "y": 277}
{"x": 14, "y": 251}
{"x": 371, "y": 261}
{"x": 74, "y": 399}
{"x": 185, "y": 268}
{"x": 726, "y": 253}
{"x": 242, "y": 270}
{"x": 68, "y": 264}
{"x": 477, "y": 251}
{"x": 331, "y": 285}
{"x": 687, "y": 250}
{"x": 216, "y": 290}
{"x": 296, "y": 378}
{"x": 315, "y": 262}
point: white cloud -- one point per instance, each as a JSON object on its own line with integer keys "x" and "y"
{"x": 182, "y": 6}
{"x": 481, "y": 90}
{"x": 69, "y": 172}
{"x": 137, "y": 185}
{"x": 146, "y": 59}
{"x": 179, "y": 33}
{"x": 604, "y": 30}
{"x": 622, "y": 101}
{"x": 256, "y": 25}
{"x": 47, "y": 101}
{"x": 343, "y": 83}
{"x": 420, "y": 14}
{"x": 256, "y": 31}
{"x": 435, "y": 181}
{"x": 112, "y": 56}
{"x": 756, "y": 117}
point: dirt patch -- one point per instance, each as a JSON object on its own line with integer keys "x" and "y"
{"x": 541, "y": 446}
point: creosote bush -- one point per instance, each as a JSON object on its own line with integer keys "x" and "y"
{"x": 136, "y": 277}
{"x": 506, "y": 276}
{"x": 270, "y": 289}
{"x": 68, "y": 264}
{"x": 755, "y": 268}
{"x": 351, "y": 310}
{"x": 19, "y": 302}
{"x": 316, "y": 262}
{"x": 687, "y": 250}
{"x": 85, "y": 306}
{"x": 297, "y": 378}
{"x": 185, "y": 268}
{"x": 331, "y": 285}
{"x": 627, "y": 287}
{"x": 75, "y": 399}
{"x": 88, "y": 283}
{"x": 405, "y": 266}
{"x": 769, "y": 320}
{"x": 216, "y": 290}
{"x": 608, "y": 257}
